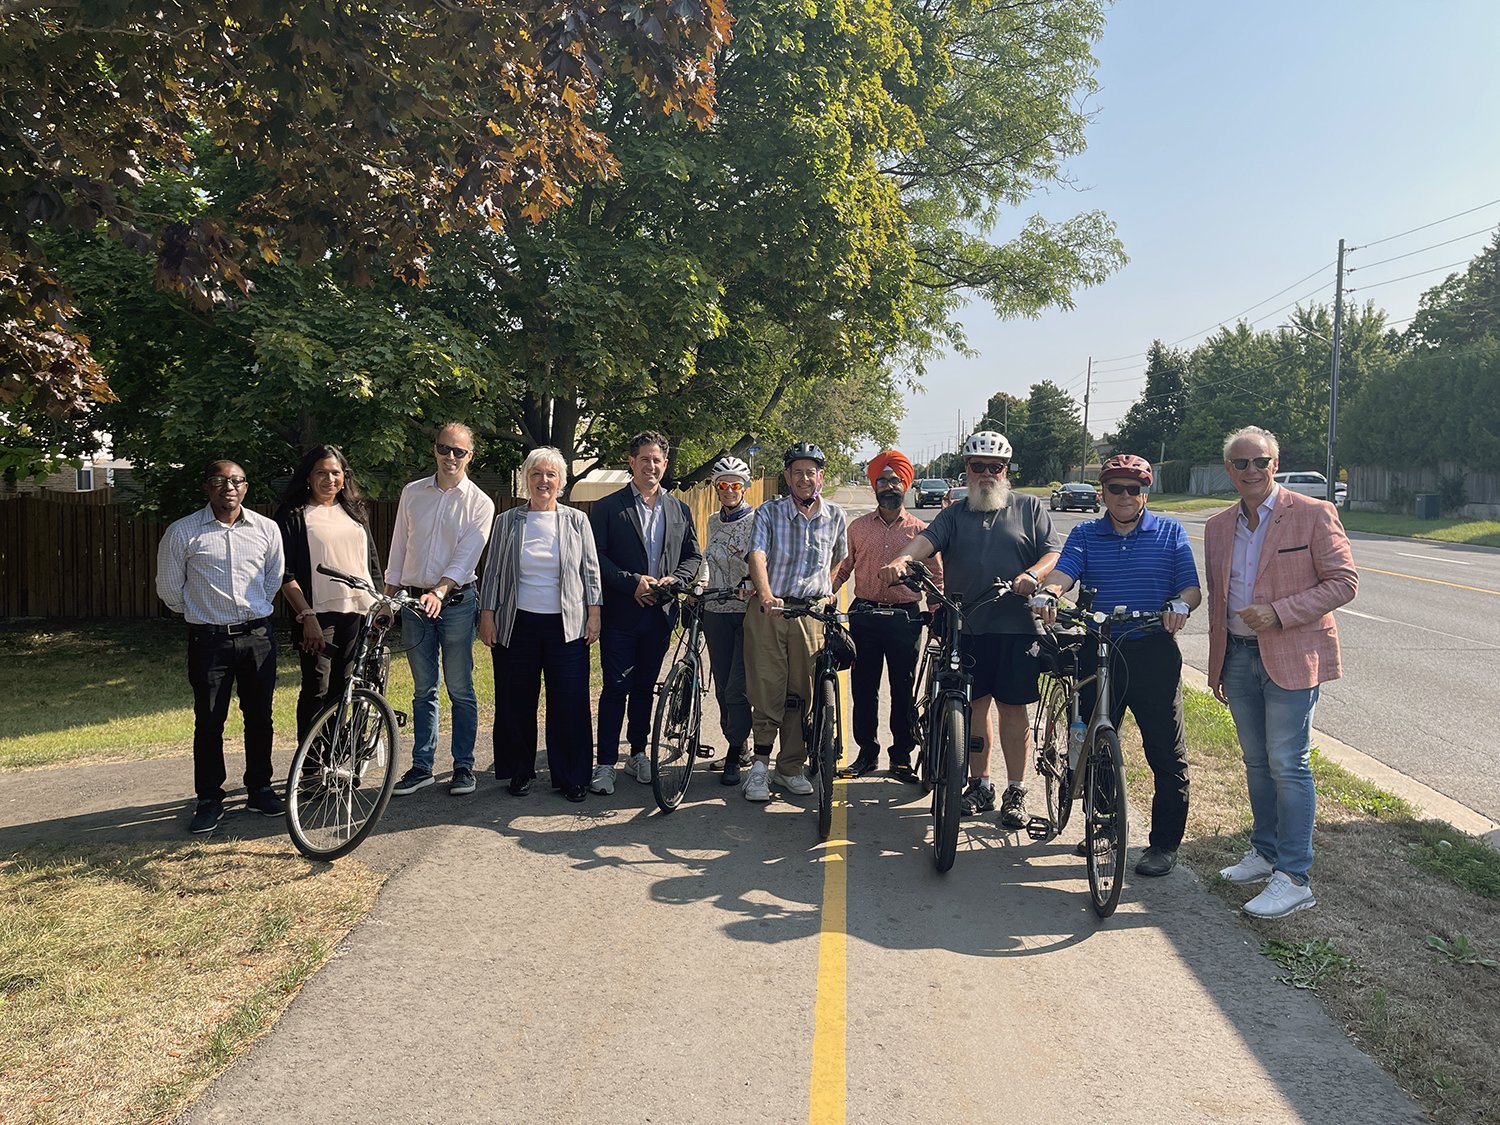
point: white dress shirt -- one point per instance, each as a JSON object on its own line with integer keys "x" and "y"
{"x": 439, "y": 533}
{"x": 1244, "y": 563}
{"x": 219, "y": 573}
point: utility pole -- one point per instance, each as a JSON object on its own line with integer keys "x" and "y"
{"x": 1088, "y": 386}
{"x": 1333, "y": 377}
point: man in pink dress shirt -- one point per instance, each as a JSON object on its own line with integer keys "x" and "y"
{"x": 1278, "y": 565}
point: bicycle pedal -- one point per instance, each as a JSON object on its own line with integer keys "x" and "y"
{"x": 1040, "y": 828}
{"x": 705, "y": 751}
{"x": 400, "y": 718}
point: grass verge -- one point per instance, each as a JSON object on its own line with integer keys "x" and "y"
{"x": 1477, "y": 533}
{"x": 129, "y": 977}
{"x": 1408, "y": 912}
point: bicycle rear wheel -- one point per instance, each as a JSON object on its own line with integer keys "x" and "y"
{"x": 1104, "y": 821}
{"x": 1051, "y": 741}
{"x": 674, "y": 736}
{"x": 824, "y": 752}
{"x": 948, "y": 789}
{"x": 341, "y": 776}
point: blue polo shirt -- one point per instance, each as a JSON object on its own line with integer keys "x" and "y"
{"x": 1140, "y": 571}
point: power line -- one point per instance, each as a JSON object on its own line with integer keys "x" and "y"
{"x": 1257, "y": 305}
{"x": 1404, "y": 277}
{"x": 1411, "y": 253}
{"x": 1424, "y": 226}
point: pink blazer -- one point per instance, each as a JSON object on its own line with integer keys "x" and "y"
{"x": 1306, "y": 571}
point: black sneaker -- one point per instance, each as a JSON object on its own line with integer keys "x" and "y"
{"x": 1013, "y": 807}
{"x": 463, "y": 781}
{"x": 1155, "y": 862}
{"x": 412, "y": 780}
{"x": 206, "y": 816}
{"x": 265, "y": 802}
{"x": 978, "y": 797}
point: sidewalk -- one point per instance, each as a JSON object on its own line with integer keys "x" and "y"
{"x": 535, "y": 961}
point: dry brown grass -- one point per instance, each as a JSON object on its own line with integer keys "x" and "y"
{"x": 129, "y": 977}
{"x": 1431, "y": 1022}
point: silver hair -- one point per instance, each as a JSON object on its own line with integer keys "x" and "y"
{"x": 1253, "y": 432}
{"x": 541, "y": 455}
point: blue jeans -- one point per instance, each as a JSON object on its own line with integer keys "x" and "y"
{"x": 1275, "y": 730}
{"x": 452, "y": 631}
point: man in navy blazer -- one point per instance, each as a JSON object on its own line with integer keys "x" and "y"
{"x": 646, "y": 540}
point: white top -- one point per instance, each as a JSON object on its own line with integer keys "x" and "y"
{"x": 1244, "y": 563}
{"x": 539, "y": 585}
{"x": 438, "y": 533}
{"x": 335, "y": 539}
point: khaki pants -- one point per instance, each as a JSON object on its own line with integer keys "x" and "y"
{"x": 779, "y": 670}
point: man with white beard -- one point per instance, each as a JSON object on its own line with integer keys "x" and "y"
{"x": 993, "y": 533}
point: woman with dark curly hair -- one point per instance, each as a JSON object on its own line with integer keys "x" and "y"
{"x": 322, "y": 520}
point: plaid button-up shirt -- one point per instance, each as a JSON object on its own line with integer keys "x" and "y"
{"x": 800, "y": 550}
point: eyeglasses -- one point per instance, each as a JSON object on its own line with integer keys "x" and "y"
{"x": 993, "y": 468}
{"x": 1243, "y": 463}
{"x": 1122, "y": 489}
{"x": 450, "y": 451}
{"x": 729, "y": 486}
{"x": 232, "y": 482}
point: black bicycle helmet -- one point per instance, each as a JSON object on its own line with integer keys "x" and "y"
{"x": 803, "y": 451}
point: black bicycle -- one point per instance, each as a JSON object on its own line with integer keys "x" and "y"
{"x": 1063, "y": 741}
{"x": 941, "y": 697}
{"x": 679, "y": 702}
{"x": 343, "y": 772}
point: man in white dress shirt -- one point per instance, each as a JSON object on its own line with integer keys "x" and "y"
{"x": 220, "y": 568}
{"x": 442, "y": 523}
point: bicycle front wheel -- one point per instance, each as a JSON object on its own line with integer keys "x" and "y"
{"x": 1051, "y": 741}
{"x": 674, "y": 736}
{"x": 824, "y": 752}
{"x": 341, "y": 776}
{"x": 1104, "y": 821}
{"x": 947, "y": 792}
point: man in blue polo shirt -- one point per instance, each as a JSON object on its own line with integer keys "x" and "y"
{"x": 1142, "y": 561}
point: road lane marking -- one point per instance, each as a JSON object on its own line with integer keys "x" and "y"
{"x": 1434, "y": 581}
{"x": 1433, "y": 558}
{"x": 1368, "y": 616}
{"x": 1445, "y": 633}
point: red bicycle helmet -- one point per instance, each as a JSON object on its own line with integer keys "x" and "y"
{"x": 1126, "y": 465}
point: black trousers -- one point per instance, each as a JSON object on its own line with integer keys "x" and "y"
{"x": 630, "y": 660}
{"x": 324, "y": 674}
{"x": 537, "y": 649}
{"x": 892, "y": 644}
{"x": 1147, "y": 678}
{"x": 220, "y": 667}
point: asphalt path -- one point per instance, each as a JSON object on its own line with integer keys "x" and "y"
{"x": 1421, "y": 652}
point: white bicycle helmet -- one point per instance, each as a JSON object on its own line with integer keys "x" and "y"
{"x": 731, "y": 466}
{"x": 987, "y": 443}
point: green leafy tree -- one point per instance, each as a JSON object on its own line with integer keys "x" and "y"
{"x": 1462, "y": 309}
{"x": 1432, "y": 406}
{"x": 1153, "y": 420}
{"x": 1053, "y": 437}
{"x": 1004, "y": 412}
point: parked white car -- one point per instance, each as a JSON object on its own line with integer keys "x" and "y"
{"x": 1312, "y": 484}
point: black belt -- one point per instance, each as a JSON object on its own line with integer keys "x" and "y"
{"x": 1249, "y": 642}
{"x": 235, "y": 630}
{"x": 418, "y": 591}
{"x": 803, "y": 601}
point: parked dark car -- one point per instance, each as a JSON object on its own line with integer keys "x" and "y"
{"x": 930, "y": 492}
{"x": 1080, "y": 496}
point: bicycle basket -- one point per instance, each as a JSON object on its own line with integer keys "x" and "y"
{"x": 1058, "y": 653}
{"x": 841, "y": 645}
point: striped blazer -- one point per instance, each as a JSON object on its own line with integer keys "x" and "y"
{"x": 581, "y": 586}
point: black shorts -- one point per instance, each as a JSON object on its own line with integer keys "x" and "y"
{"x": 1001, "y": 666}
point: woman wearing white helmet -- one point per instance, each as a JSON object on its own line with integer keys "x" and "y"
{"x": 725, "y": 564}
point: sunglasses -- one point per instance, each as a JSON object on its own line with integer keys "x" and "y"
{"x": 450, "y": 451}
{"x": 232, "y": 482}
{"x": 1122, "y": 489}
{"x": 1243, "y": 463}
{"x": 990, "y": 468}
{"x": 729, "y": 486}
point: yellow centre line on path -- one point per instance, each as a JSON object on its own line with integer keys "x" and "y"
{"x": 828, "y": 1094}
{"x": 1416, "y": 577}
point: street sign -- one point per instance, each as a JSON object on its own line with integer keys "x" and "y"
{"x": 753, "y": 449}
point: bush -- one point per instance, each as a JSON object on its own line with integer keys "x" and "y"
{"x": 1399, "y": 500}
{"x": 1452, "y": 494}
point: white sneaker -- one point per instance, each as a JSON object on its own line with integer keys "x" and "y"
{"x": 640, "y": 767}
{"x": 1252, "y": 868}
{"x": 604, "y": 780}
{"x": 1280, "y": 898}
{"x": 795, "y": 784}
{"x": 758, "y": 783}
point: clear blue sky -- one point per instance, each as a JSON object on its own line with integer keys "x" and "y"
{"x": 1233, "y": 146}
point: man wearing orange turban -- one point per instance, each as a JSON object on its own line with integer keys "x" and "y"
{"x": 893, "y": 641}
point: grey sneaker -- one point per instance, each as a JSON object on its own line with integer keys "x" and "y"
{"x": 463, "y": 781}
{"x": 1012, "y": 807}
{"x": 603, "y": 780}
{"x": 758, "y": 783}
{"x": 1252, "y": 868}
{"x": 1280, "y": 898}
{"x": 639, "y": 767}
{"x": 978, "y": 797}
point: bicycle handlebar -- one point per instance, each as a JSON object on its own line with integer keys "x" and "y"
{"x": 919, "y": 579}
{"x": 709, "y": 594}
{"x": 831, "y": 616}
{"x": 400, "y": 598}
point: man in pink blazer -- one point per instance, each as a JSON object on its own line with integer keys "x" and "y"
{"x": 1278, "y": 565}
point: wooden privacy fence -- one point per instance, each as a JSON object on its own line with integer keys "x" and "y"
{"x": 66, "y": 559}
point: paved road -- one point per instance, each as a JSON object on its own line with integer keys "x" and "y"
{"x": 1421, "y": 647}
